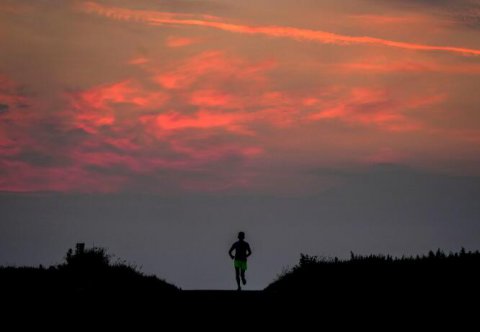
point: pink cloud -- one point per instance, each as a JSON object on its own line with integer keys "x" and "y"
{"x": 375, "y": 107}
{"x": 96, "y": 107}
{"x": 216, "y": 110}
{"x": 188, "y": 72}
{"x": 126, "y": 91}
{"x": 212, "y": 67}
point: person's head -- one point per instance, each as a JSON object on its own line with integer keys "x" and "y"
{"x": 241, "y": 235}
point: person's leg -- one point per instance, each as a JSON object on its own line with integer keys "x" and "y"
{"x": 237, "y": 277}
{"x": 244, "y": 281}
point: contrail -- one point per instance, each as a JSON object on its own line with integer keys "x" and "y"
{"x": 163, "y": 18}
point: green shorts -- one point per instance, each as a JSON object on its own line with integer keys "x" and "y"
{"x": 242, "y": 265}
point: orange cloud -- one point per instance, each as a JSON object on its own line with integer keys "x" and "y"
{"x": 179, "y": 41}
{"x": 161, "y": 18}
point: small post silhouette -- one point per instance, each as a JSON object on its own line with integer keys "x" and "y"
{"x": 79, "y": 248}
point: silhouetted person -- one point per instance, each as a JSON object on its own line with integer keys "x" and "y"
{"x": 242, "y": 251}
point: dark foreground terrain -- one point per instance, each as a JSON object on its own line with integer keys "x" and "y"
{"x": 435, "y": 288}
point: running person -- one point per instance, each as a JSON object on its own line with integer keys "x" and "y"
{"x": 242, "y": 251}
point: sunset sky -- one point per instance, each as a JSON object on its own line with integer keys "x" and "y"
{"x": 160, "y": 128}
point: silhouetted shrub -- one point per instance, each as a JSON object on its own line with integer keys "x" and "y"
{"x": 93, "y": 258}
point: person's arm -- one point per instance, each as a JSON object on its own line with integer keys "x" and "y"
{"x": 231, "y": 250}
{"x": 249, "y": 251}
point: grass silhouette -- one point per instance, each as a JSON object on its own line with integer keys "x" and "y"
{"x": 383, "y": 274}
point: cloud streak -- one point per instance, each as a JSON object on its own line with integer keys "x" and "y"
{"x": 161, "y": 18}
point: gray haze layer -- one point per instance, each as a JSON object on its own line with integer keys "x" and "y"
{"x": 184, "y": 239}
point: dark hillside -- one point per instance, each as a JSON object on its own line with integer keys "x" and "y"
{"x": 433, "y": 274}
{"x": 87, "y": 273}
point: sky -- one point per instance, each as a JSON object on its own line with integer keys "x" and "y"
{"x": 161, "y": 128}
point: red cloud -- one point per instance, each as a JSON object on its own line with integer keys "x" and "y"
{"x": 173, "y": 121}
{"x": 161, "y": 18}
